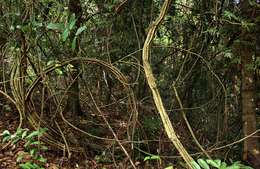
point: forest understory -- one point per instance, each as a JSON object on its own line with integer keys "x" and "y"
{"x": 120, "y": 84}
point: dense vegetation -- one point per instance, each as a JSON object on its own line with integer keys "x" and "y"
{"x": 131, "y": 83}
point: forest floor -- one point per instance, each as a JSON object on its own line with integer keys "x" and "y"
{"x": 55, "y": 159}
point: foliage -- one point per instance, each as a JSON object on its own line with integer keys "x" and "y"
{"x": 197, "y": 47}
{"x": 32, "y": 145}
{"x": 208, "y": 164}
{"x": 153, "y": 157}
{"x": 66, "y": 30}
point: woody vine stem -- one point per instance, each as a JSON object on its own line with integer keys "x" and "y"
{"x": 155, "y": 92}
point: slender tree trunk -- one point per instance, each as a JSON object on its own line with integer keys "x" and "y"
{"x": 73, "y": 103}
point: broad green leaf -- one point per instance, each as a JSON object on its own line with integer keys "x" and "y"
{"x": 80, "y": 30}
{"x": 65, "y": 34}
{"x": 232, "y": 167}
{"x": 213, "y": 163}
{"x": 73, "y": 44}
{"x": 24, "y": 134}
{"x": 50, "y": 62}
{"x": 6, "y": 138}
{"x": 57, "y": 65}
{"x": 43, "y": 130}
{"x": 15, "y": 140}
{"x": 42, "y": 159}
{"x": 59, "y": 71}
{"x": 203, "y": 163}
{"x": 231, "y": 15}
{"x": 28, "y": 143}
{"x": 6, "y": 133}
{"x": 72, "y": 21}
{"x": 24, "y": 166}
{"x": 55, "y": 26}
{"x": 246, "y": 167}
{"x": 223, "y": 165}
{"x": 19, "y": 158}
{"x": 35, "y": 143}
{"x": 72, "y": 24}
{"x": 155, "y": 157}
{"x": 195, "y": 165}
{"x": 170, "y": 167}
{"x": 218, "y": 162}
{"x": 33, "y": 151}
{"x": 19, "y": 131}
{"x": 32, "y": 134}
{"x": 147, "y": 158}
{"x": 36, "y": 166}
{"x": 27, "y": 165}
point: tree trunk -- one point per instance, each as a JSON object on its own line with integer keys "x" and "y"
{"x": 73, "y": 102}
{"x": 248, "y": 100}
{"x": 247, "y": 50}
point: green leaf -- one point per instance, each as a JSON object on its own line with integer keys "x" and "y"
{"x": 19, "y": 131}
{"x": 218, "y": 162}
{"x": 147, "y": 158}
{"x": 80, "y": 30}
{"x": 42, "y": 131}
{"x": 65, "y": 34}
{"x": 246, "y": 167}
{"x": 55, "y": 26}
{"x": 15, "y": 140}
{"x": 59, "y": 71}
{"x": 6, "y": 138}
{"x": 27, "y": 144}
{"x": 232, "y": 167}
{"x": 19, "y": 158}
{"x": 214, "y": 163}
{"x": 155, "y": 157}
{"x": 6, "y": 133}
{"x": 170, "y": 167}
{"x": 27, "y": 165}
{"x": 32, "y": 152}
{"x": 24, "y": 166}
{"x": 24, "y": 134}
{"x": 203, "y": 163}
{"x": 231, "y": 15}
{"x": 38, "y": 132}
{"x": 73, "y": 44}
{"x": 35, "y": 143}
{"x": 32, "y": 134}
{"x": 195, "y": 165}
{"x": 223, "y": 165}
{"x": 72, "y": 21}
{"x": 51, "y": 62}
{"x": 42, "y": 159}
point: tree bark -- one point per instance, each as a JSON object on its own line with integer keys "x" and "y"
{"x": 73, "y": 102}
{"x": 248, "y": 100}
{"x": 247, "y": 50}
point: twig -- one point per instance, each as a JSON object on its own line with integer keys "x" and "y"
{"x": 111, "y": 129}
{"x": 64, "y": 139}
{"x": 187, "y": 122}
